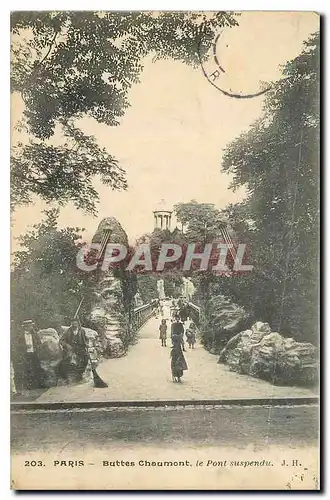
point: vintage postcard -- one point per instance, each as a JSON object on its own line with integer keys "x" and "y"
{"x": 165, "y": 250}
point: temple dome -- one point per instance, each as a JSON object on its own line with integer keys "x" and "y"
{"x": 162, "y": 206}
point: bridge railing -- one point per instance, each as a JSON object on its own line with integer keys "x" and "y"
{"x": 195, "y": 313}
{"x": 142, "y": 314}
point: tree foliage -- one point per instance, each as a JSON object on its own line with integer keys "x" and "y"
{"x": 202, "y": 222}
{"x": 46, "y": 284}
{"x": 63, "y": 173}
{"x": 147, "y": 286}
{"x": 277, "y": 160}
{"x": 68, "y": 65}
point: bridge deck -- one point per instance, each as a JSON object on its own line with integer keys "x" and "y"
{"x": 144, "y": 374}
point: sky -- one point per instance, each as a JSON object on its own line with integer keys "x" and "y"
{"x": 171, "y": 140}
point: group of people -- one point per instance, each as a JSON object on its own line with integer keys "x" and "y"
{"x": 178, "y": 332}
{"x": 75, "y": 358}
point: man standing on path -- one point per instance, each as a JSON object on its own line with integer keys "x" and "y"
{"x": 32, "y": 368}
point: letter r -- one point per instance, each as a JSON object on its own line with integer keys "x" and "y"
{"x": 215, "y": 75}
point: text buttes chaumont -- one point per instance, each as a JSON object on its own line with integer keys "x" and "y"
{"x": 166, "y": 463}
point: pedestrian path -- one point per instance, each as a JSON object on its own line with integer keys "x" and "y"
{"x": 144, "y": 374}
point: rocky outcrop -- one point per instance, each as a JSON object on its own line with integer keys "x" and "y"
{"x": 114, "y": 346}
{"x": 226, "y": 315}
{"x": 110, "y": 313}
{"x": 117, "y": 233}
{"x": 261, "y": 353}
{"x": 50, "y": 355}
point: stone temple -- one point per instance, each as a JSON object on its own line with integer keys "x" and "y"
{"x": 162, "y": 216}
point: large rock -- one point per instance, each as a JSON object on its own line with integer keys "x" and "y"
{"x": 226, "y": 319}
{"x": 260, "y": 328}
{"x": 114, "y": 347}
{"x": 50, "y": 355}
{"x": 107, "y": 323}
{"x": 114, "y": 299}
{"x": 268, "y": 355}
{"x": 117, "y": 233}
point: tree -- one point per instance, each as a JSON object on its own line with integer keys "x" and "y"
{"x": 171, "y": 274}
{"x": 173, "y": 284}
{"x": 202, "y": 222}
{"x": 147, "y": 286}
{"x": 277, "y": 161}
{"x": 46, "y": 284}
{"x": 63, "y": 173}
{"x": 66, "y": 65}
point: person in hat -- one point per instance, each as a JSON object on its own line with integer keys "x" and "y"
{"x": 32, "y": 368}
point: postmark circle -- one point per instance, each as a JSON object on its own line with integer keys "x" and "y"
{"x": 215, "y": 70}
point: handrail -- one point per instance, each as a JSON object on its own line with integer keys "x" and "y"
{"x": 142, "y": 314}
{"x": 193, "y": 306}
{"x": 142, "y": 308}
{"x": 196, "y": 310}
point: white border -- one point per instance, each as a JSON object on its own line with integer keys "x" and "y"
{"x": 237, "y": 5}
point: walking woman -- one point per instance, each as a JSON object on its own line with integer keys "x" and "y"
{"x": 162, "y": 332}
{"x": 178, "y": 362}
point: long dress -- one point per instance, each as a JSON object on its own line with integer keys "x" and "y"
{"x": 178, "y": 362}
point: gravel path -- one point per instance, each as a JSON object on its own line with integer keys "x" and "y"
{"x": 144, "y": 374}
